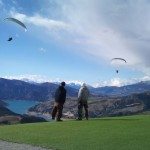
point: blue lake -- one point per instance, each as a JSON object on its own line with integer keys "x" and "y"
{"x": 20, "y": 106}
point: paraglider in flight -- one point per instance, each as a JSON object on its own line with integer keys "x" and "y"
{"x": 118, "y": 62}
{"x": 17, "y": 21}
{"x": 10, "y": 39}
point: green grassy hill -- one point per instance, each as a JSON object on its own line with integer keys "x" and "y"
{"x": 116, "y": 133}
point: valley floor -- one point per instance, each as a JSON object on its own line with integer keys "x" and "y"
{"x": 112, "y": 133}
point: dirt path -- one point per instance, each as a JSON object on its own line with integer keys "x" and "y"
{"x": 14, "y": 146}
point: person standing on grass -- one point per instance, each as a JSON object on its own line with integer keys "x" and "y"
{"x": 83, "y": 96}
{"x": 60, "y": 98}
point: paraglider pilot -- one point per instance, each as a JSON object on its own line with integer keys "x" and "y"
{"x": 10, "y": 39}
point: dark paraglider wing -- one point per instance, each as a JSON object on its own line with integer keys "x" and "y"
{"x": 122, "y": 59}
{"x": 17, "y": 21}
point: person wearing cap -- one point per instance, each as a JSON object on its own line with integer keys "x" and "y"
{"x": 60, "y": 98}
{"x": 83, "y": 96}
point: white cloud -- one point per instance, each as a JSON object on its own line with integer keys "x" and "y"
{"x": 108, "y": 29}
{"x": 76, "y": 82}
{"x": 41, "y": 79}
{"x": 42, "y": 50}
{"x": 121, "y": 82}
{"x": 2, "y": 7}
{"x": 39, "y": 21}
{"x": 103, "y": 29}
{"x": 14, "y": 2}
{"x": 1, "y": 3}
{"x": 29, "y": 78}
{"x": 112, "y": 82}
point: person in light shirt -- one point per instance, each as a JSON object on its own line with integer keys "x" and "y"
{"x": 83, "y": 96}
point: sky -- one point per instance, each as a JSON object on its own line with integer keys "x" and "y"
{"x": 75, "y": 40}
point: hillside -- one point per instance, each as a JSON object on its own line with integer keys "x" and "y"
{"x": 2, "y": 103}
{"x": 20, "y": 90}
{"x": 5, "y": 111}
{"x": 122, "y": 91}
{"x": 115, "y": 133}
{"x": 104, "y": 106}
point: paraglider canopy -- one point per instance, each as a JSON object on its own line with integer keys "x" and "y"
{"x": 17, "y": 21}
{"x": 118, "y": 63}
{"x": 120, "y": 59}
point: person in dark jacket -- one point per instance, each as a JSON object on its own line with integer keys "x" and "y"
{"x": 60, "y": 98}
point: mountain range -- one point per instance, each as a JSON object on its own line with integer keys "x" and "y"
{"x": 140, "y": 87}
{"x": 21, "y": 90}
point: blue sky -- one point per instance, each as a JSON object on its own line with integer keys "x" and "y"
{"x": 75, "y": 40}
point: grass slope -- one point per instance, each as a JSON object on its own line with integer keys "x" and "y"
{"x": 116, "y": 133}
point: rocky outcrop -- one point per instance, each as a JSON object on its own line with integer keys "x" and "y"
{"x": 31, "y": 119}
{"x": 10, "y": 119}
{"x": 5, "y": 111}
{"x": 13, "y": 119}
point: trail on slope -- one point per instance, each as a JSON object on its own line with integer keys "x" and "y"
{"x": 15, "y": 146}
